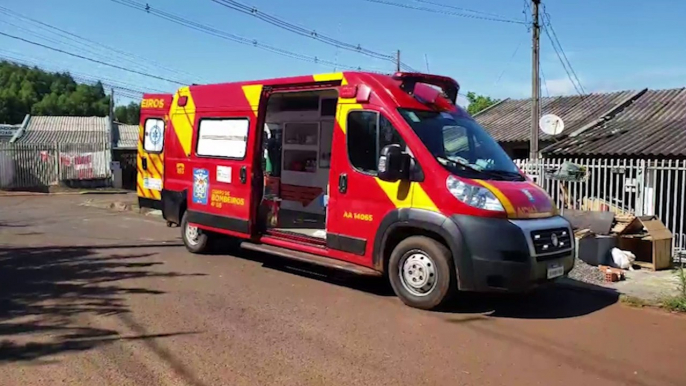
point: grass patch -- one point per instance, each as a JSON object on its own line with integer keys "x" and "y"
{"x": 675, "y": 304}
{"x": 633, "y": 301}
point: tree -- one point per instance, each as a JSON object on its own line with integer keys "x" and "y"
{"x": 30, "y": 90}
{"x": 479, "y": 102}
{"x": 128, "y": 114}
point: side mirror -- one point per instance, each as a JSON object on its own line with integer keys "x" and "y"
{"x": 393, "y": 164}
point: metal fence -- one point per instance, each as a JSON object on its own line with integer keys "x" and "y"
{"x": 639, "y": 187}
{"x": 39, "y": 166}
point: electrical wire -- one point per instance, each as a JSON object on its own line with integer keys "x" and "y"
{"x": 461, "y": 9}
{"x": 53, "y": 67}
{"x": 448, "y": 13}
{"x": 89, "y": 59}
{"x": 549, "y": 26}
{"x": 288, "y": 26}
{"x": 123, "y": 88}
{"x": 122, "y": 55}
{"x": 509, "y": 62}
{"x": 229, "y": 36}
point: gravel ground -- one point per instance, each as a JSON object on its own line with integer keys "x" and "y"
{"x": 586, "y": 273}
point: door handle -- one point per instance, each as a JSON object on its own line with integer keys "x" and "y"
{"x": 342, "y": 183}
{"x": 243, "y": 174}
{"x": 144, "y": 163}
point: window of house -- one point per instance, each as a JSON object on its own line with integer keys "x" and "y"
{"x": 368, "y": 132}
{"x": 223, "y": 137}
{"x": 154, "y": 135}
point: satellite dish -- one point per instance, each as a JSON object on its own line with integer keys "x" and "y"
{"x": 551, "y": 124}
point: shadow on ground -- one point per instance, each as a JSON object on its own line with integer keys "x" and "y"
{"x": 46, "y": 293}
{"x": 554, "y": 301}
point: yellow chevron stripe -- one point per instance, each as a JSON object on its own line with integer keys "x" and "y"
{"x": 509, "y": 208}
{"x": 183, "y": 119}
{"x": 253, "y": 93}
{"x": 330, "y": 76}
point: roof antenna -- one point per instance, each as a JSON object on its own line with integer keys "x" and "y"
{"x": 426, "y": 59}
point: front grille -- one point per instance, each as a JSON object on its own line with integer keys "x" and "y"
{"x": 551, "y": 240}
{"x": 554, "y": 256}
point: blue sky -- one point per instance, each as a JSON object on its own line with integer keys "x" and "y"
{"x": 612, "y": 44}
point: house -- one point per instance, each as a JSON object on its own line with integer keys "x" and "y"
{"x": 509, "y": 121}
{"x": 652, "y": 126}
{"x": 7, "y": 132}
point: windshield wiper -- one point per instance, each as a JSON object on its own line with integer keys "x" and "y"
{"x": 498, "y": 174}
{"x": 459, "y": 164}
{"x": 513, "y": 176}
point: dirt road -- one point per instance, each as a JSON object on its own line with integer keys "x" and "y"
{"x": 92, "y": 297}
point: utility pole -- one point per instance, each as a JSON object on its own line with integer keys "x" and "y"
{"x": 535, "y": 80}
{"x": 397, "y": 62}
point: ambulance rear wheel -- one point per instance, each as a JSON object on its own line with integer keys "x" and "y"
{"x": 421, "y": 272}
{"x": 195, "y": 240}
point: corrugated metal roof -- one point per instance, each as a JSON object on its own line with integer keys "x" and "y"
{"x": 510, "y": 120}
{"x": 125, "y": 136}
{"x": 62, "y": 129}
{"x": 654, "y": 125}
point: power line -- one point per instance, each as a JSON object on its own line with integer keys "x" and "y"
{"x": 545, "y": 83}
{"x": 449, "y": 13}
{"x": 228, "y": 36}
{"x": 548, "y": 25}
{"x": 155, "y": 66}
{"x": 110, "y": 82}
{"x": 84, "y": 78}
{"x": 288, "y": 26}
{"x": 509, "y": 62}
{"x": 89, "y": 59}
{"x": 461, "y": 9}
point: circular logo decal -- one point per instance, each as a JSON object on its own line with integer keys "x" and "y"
{"x": 156, "y": 134}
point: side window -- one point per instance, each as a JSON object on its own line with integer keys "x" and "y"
{"x": 368, "y": 132}
{"x": 223, "y": 137}
{"x": 154, "y": 135}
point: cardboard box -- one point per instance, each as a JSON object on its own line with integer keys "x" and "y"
{"x": 650, "y": 240}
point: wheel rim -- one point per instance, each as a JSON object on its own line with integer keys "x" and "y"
{"x": 418, "y": 273}
{"x": 192, "y": 234}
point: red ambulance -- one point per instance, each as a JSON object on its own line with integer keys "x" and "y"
{"x": 368, "y": 173}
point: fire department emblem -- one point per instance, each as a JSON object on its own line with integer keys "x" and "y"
{"x": 201, "y": 185}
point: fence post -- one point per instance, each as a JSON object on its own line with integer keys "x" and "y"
{"x": 640, "y": 187}
{"x": 57, "y": 163}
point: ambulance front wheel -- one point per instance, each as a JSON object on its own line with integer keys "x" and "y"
{"x": 421, "y": 272}
{"x": 195, "y": 240}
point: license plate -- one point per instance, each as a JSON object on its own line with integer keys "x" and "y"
{"x": 555, "y": 270}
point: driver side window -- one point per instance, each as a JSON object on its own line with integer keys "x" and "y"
{"x": 367, "y": 133}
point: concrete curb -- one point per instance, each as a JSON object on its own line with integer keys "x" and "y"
{"x": 118, "y": 206}
{"x": 37, "y": 194}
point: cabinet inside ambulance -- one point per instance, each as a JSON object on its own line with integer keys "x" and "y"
{"x": 296, "y": 146}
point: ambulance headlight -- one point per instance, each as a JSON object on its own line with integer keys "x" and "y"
{"x": 473, "y": 195}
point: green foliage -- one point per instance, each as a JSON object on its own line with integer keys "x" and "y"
{"x": 25, "y": 90}
{"x": 128, "y": 114}
{"x": 479, "y": 102}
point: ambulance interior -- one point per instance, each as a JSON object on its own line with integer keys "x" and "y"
{"x": 298, "y": 136}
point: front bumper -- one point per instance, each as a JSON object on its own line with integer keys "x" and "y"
{"x": 500, "y": 255}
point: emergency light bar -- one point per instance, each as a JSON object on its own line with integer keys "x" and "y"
{"x": 410, "y": 79}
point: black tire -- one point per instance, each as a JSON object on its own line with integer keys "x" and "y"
{"x": 201, "y": 245}
{"x": 444, "y": 284}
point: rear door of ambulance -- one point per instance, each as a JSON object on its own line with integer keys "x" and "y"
{"x": 224, "y": 123}
{"x": 150, "y": 160}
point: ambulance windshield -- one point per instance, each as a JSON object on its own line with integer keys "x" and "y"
{"x": 461, "y": 145}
